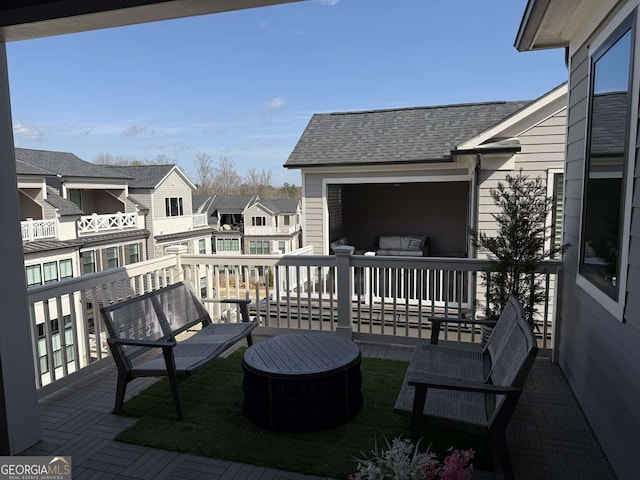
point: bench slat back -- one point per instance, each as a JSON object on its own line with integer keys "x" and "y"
{"x": 503, "y": 328}
{"x": 181, "y": 308}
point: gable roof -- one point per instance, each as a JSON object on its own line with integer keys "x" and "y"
{"x": 405, "y": 135}
{"x": 48, "y": 163}
{"x": 230, "y": 203}
{"x": 144, "y": 176}
{"x": 280, "y": 205}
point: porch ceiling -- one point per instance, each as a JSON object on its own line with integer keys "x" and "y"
{"x": 26, "y": 19}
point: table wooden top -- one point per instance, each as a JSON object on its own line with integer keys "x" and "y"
{"x": 301, "y": 354}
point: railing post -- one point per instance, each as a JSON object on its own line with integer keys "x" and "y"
{"x": 178, "y": 251}
{"x": 557, "y": 315}
{"x": 345, "y": 288}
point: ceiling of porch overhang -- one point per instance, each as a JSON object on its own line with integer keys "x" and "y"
{"x": 26, "y": 19}
{"x": 545, "y": 23}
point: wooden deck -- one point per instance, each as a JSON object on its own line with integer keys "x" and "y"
{"x": 549, "y": 438}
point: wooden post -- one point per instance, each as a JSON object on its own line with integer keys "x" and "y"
{"x": 345, "y": 289}
{"x": 19, "y": 417}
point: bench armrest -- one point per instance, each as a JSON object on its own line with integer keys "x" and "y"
{"x": 143, "y": 343}
{"x": 420, "y": 380}
{"x": 438, "y": 321}
{"x": 243, "y": 304}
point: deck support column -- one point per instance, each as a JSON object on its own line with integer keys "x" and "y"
{"x": 345, "y": 290}
{"x": 19, "y": 415}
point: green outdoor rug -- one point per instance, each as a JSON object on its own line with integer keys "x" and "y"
{"x": 214, "y": 425}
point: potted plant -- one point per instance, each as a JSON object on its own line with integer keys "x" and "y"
{"x": 519, "y": 246}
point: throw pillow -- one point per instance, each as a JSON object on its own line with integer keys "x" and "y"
{"x": 415, "y": 243}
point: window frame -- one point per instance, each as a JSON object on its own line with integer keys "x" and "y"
{"x": 202, "y": 246}
{"x": 259, "y": 221}
{"x": 110, "y": 259}
{"x": 69, "y": 262}
{"x": 552, "y": 220}
{"x": 130, "y": 247}
{"x": 601, "y": 44}
{"x": 170, "y": 207}
{"x": 48, "y": 266}
{"x": 37, "y": 268}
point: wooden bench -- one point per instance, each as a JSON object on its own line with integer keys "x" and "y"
{"x": 152, "y": 321}
{"x": 471, "y": 390}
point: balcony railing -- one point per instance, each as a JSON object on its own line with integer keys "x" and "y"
{"x": 39, "y": 229}
{"x": 374, "y": 298}
{"x": 200, "y": 220}
{"x": 102, "y": 223}
{"x": 270, "y": 230}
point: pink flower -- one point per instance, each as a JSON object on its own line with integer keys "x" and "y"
{"x": 456, "y": 465}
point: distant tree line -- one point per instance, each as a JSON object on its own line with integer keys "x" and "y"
{"x": 219, "y": 177}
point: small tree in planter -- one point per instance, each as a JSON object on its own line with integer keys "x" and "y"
{"x": 519, "y": 246}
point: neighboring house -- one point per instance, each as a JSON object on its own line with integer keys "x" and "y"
{"x": 76, "y": 216}
{"x": 167, "y": 193}
{"x": 599, "y": 336}
{"x": 272, "y": 225}
{"x": 251, "y": 225}
{"x": 423, "y": 171}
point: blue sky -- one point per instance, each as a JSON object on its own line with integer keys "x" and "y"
{"x": 244, "y": 84}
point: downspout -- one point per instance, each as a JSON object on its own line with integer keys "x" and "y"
{"x": 476, "y": 200}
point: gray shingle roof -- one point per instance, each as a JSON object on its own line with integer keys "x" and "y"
{"x": 418, "y": 134}
{"x": 191, "y": 233}
{"x": 283, "y": 205}
{"x": 144, "y": 176}
{"x": 64, "y": 206}
{"x": 609, "y": 123}
{"x": 106, "y": 238}
{"x": 230, "y": 203}
{"x": 48, "y": 245}
{"x": 44, "y": 162}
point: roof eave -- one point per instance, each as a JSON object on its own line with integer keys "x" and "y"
{"x": 447, "y": 159}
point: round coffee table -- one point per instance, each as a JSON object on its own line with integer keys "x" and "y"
{"x": 302, "y": 382}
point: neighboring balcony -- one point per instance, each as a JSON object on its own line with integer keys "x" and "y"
{"x": 199, "y": 220}
{"x": 39, "y": 229}
{"x": 91, "y": 224}
{"x": 270, "y": 230}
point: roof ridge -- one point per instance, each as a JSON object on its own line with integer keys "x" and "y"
{"x": 427, "y": 107}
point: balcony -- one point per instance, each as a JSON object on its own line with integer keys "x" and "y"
{"x": 91, "y": 224}
{"x": 383, "y": 301}
{"x": 200, "y": 220}
{"x": 38, "y": 229}
{"x": 267, "y": 231}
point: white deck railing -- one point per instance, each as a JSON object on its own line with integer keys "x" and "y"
{"x": 101, "y": 223}
{"x": 371, "y": 297}
{"x": 39, "y": 229}
{"x": 199, "y": 219}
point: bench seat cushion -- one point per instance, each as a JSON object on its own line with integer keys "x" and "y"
{"x": 223, "y": 332}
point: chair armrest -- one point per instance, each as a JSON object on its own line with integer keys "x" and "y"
{"x": 143, "y": 343}
{"x": 423, "y": 380}
{"x": 438, "y": 321}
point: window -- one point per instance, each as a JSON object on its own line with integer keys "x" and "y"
{"x": 34, "y": 275}
{"x": 259, "y": 221}
{"x": 133, "y": 252}
{"x": 603, "y": 209}
{"x": 88, "y": 261}
{"x": 228, "y": 244}
{"x": 42, "y": 349}
{"x": 259, "y": 248}
{"x": 282, "y": 246}
{"x": 203, "y": 287}
{"x": 66, "y": 269}
{"x": 556, "y": 181}
{"x": 50, "y": 272}
{"x": 287, "y": 220}
{"x": 202, "y": 246}
{"x": 112, "y": 257}
{"x": 75, "y": 196}
{"x": 173, "y": 207}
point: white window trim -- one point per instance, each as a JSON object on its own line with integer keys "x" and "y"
{"x": 616, "y": 307}
{"x": 551, "y": 180}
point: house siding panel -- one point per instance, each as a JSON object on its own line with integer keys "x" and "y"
{"x": 598, "y": 353}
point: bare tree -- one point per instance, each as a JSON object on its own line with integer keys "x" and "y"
{"x": 258, "y": 182}
{"x": 127, "y": 160}
{"x": 206, "y": 174}
{"x": 226, "y": 180}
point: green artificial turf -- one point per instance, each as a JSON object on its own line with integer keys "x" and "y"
{"x": 214, "y": 425}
